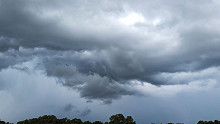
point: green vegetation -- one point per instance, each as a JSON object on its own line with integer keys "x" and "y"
{"x": 2, "y": 122}
{"x": 114, "y": 119}
{"x": 51, "y": 119}
{"x": 209, "y": 122}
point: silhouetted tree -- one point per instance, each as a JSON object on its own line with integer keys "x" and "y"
{"x": 76, "y": 121}
{"x": 120, "y": 119}
{"x": 63, "y": 121}
{"x": 117, "y": 119}
{"x": 2, "y": 122}
{"x": 114, "y": 119}
{"x": 87, "y": 122}
{"x": 216, "y": 122}
{"x": 209, "y": 122}
{"x": 97, "y": 122}
{"x": 129, "y": 120}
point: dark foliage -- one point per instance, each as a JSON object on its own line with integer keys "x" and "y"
{"x": 120, "y": 119}
{"x": 209, "y": 122}
{"x": 114, "y": 119}
{"x": 97, "y": 122}
{"x": 51, "y": 119}
{"x": 2, "y": 122}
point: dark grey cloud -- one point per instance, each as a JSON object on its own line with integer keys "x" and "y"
{"x": 49, "y": 97}
{"x": 31, "y": 24}
{"x": 108, "y": 50}
{"x": 90, "y": 85}
{"x": 7, "y": 43}
{"x": 68, "y": 107}
{"x": 87, "y": 47}
{"x": 85, "y": 112}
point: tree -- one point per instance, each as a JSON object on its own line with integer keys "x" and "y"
{"x": 2, "y": 122}
{"x": 87, "y": 122}
{"x": 120, "y": 119}
{"x": 209, "y": 122}
{"x": 76, "y": 121}
{"x": 97, "y": 122}
{"x": 117, "y": 119}
{"x": 51, "y": 119}
{"x": 216, "y": 122}
{"x": 63, "y": 121}
{"x": 129, "y": 120}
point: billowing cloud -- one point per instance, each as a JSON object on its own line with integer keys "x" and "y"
{"x": 85, "y": 112}
{"x": 68, "y": 107}
{"x": 99, "y": 48}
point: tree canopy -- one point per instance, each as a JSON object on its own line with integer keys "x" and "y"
{"x": 114, "y": 119}
{"x": 51, "y": 119}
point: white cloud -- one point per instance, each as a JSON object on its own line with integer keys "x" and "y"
{"x": 132, "y": 18}
{"x": 157, "y": 21}
{"x": 212, "y": 73}
{"x": 165, "y": 91}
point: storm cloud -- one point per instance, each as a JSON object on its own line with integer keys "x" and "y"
{"x": 98, "y": 48}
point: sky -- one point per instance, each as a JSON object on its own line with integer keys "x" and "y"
{"x": 155, "y": 60}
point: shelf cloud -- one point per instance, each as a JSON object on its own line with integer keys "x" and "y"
{"x": 100, "y": 48}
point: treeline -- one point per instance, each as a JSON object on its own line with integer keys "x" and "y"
{"x": 51, "y": 119}
{"x": 114, "y": 119}
{"x": 209, "y": 122}
{"x": 3, "y": 122}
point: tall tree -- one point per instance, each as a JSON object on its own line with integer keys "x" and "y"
{"x": 117, "y": 119}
